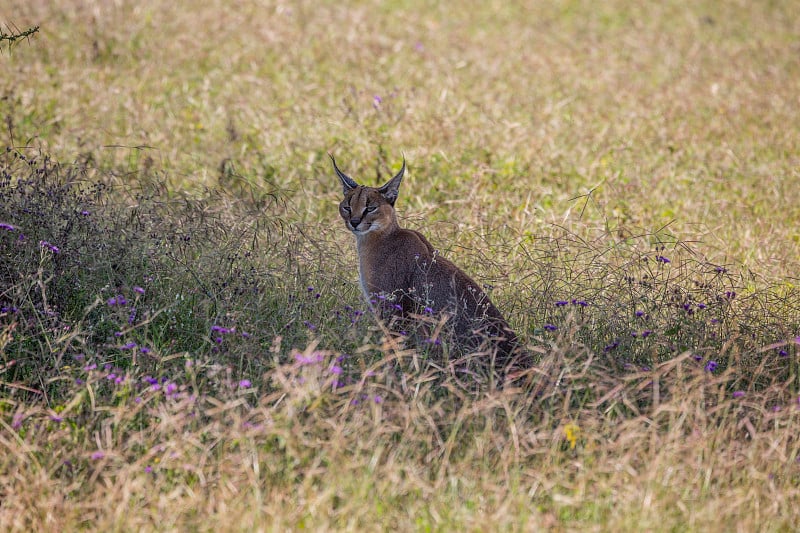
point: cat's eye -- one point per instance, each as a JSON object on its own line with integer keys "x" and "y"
{"x": 346, "y": 208}
{"x": 372, "y": 208}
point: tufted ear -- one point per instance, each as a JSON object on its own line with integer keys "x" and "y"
{"x": 347, "y": 182}
{"x": 391, "y": 190}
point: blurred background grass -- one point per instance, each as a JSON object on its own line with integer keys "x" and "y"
{"x": 678, "y": 115}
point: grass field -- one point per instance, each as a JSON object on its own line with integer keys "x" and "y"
{"x": 183, "y": 344}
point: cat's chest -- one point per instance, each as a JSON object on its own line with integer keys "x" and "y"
{"x": 376, "y": 274}
{"x": 381, "y": 269}
{"x": 391, "y": 263}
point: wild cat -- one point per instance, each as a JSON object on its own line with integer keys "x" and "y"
{"x": 401, "y": 268}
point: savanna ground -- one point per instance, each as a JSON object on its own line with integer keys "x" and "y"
{"x": 183, "y": 345}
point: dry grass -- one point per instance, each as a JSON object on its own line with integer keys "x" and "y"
{"x": 556, "y": 151}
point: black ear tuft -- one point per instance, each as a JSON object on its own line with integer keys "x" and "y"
{"x": 391, "y": 190}
{"x": 347, "y": 182}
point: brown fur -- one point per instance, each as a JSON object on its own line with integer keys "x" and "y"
{"x": 401, "y": 265}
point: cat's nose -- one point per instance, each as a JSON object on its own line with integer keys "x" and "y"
{"x": 355, "y": 222}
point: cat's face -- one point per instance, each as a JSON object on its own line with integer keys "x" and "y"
{"x": 365, "y": 209}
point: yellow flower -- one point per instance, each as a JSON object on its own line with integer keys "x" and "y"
{"x": 571, "y": 432}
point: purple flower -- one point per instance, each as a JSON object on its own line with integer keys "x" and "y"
{"x": 711, "y": 366}
{"x": 7, "y": 227}
{"x": 245, "y": 384}
{"x": 52, "y": 247}
{"x": 85, "y": 213}
{"x": 639, "y": 313}
{"x": 128, "y": 346}
{"x": 138, "y": 290}
{"x": 550, "y": 327}
{"x": 144, "y": 350}
{"x": 309, "y": 325}
{"x": 783, "y": 353}
{"x": 612, "y": 346}
{"x": 335, "y": 369}
{"x": 97, "y": 455}
{"x": 581, "y": 303}
{"x": 377, "y": 100}
{"x": 738, "y": 394}
{"x": 223, "y": 330}
{"x": 56, "y": 418}
{"x": 92, "y": 366}
{"x": 378, "y": 399}
{"x": 117, "y": 300}
{"x": 303, "y": 360}
{"x": 148, "y": 469}
{"x": 428, "y": 310}
{"x": 171, "y": 388}
{"x": 662, "y": 259}
{"x": 561, "y": 303}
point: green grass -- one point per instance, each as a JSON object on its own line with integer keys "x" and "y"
{"x": 176, "y": 156}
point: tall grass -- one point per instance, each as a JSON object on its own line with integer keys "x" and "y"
{"x": 183, "y": 344}
{"x": 160, "y": 357}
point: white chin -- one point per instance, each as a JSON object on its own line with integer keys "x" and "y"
{"x": 364, "y": 231}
